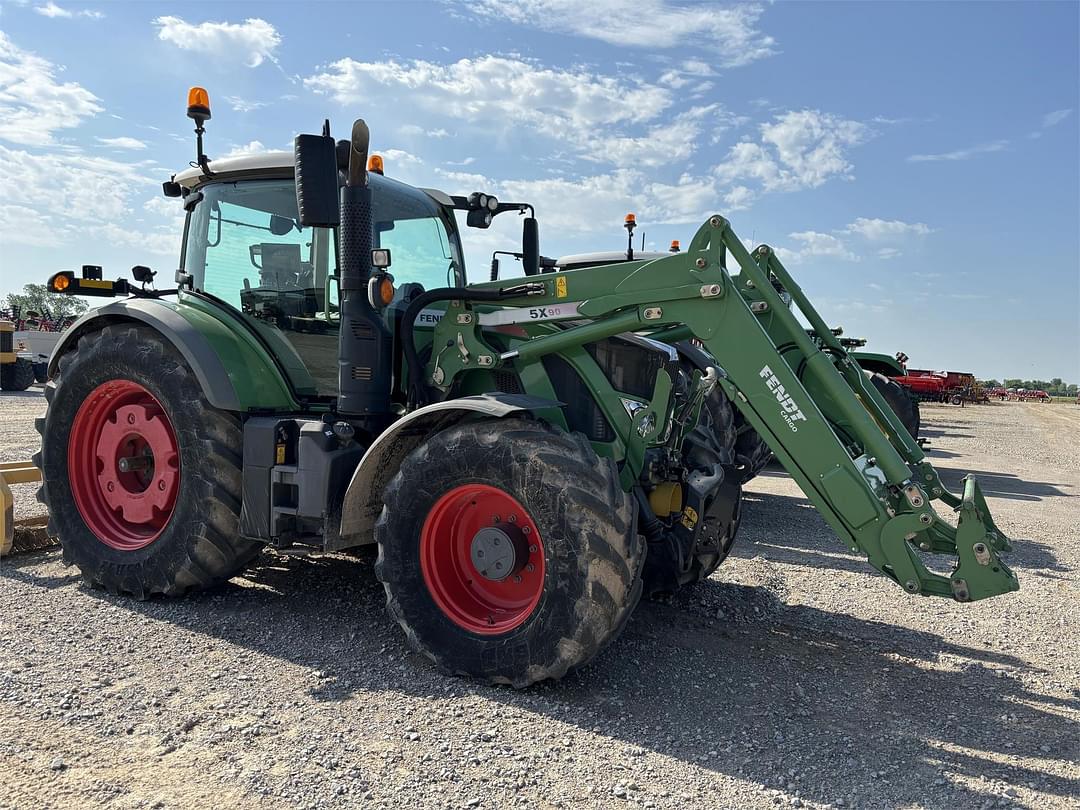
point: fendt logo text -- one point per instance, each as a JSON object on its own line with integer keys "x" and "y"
{"x": 789, "y": 410}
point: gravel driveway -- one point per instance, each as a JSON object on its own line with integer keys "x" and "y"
{"x": 795, "y": 676}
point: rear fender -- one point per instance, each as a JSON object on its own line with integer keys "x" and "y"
{"x": 363, "y": 499}
{"x": 234, "y": 371}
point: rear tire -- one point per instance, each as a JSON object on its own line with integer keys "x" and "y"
{"x": 900, "y": 399}
{"x": 17, "y": 376}
{"x": 535, "y": 623}
{"x": 171, "y": 525}
{"x": 751, "y": 452}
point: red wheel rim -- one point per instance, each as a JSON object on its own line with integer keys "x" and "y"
{"x": 123, "y": 465}
{"x": 465, "y": 522}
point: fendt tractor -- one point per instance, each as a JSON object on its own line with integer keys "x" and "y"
{"x": 528, "y": 454}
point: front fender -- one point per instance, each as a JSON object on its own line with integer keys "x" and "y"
{"x": 363, "y": 499}
{"x": 235, "y": 372}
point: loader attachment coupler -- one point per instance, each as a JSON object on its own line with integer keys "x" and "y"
{"x": 798, "y": 388}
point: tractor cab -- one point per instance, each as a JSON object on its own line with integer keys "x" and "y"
{"x": 245, "y": 247}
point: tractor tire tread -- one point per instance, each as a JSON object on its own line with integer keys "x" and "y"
{"x": 208, "y": 548}
{"x": 600, "y": 530}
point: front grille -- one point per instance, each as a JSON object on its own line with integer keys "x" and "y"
{"x": 581, "y": 411}
{"x": 507, "y": 382}
{"x": 361, "y": 373}
{"x": 631, "y": 366}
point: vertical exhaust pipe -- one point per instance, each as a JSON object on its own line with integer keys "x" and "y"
{"x": 365, "y": 351}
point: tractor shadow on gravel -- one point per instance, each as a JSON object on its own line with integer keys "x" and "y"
{"x": 787, "y": 528}
{"x": 727, "y": 677}
{"x": 1004, "y": 485}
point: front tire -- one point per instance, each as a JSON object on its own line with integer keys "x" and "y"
{"x": 900, "y": 399}
{"x": 17, "y": 376}
{"x": 141, "y": 475}
{"x": 544, "y": 505}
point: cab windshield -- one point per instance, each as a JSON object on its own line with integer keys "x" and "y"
{"x": 245, "y": 246}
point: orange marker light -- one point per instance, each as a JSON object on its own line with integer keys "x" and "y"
{"x": 386, "y": 291}
{"x": 630, "y": 220}
{"x": 198, "y": 104}
{"x": 375, "y": 164}
{"x": 61, "y": 283}
{"x": 674, "y": 246}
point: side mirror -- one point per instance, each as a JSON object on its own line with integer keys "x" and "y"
{"x": 316, "y": 181}
{"x": 530, "y": 246}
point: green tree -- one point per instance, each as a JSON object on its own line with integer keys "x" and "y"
{"x": 989, "y": 383}
{"x": 37, "y": 298}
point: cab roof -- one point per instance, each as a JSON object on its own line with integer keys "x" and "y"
{"x": 261, "y": 162}
{"x": 605, "y": 257}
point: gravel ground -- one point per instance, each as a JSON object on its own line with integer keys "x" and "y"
{"x": 795, "y": 676}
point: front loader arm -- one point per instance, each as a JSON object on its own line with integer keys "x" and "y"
{"x": 808, "y": 400}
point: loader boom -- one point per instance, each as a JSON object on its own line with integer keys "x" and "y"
{"x": 804, "y": 395}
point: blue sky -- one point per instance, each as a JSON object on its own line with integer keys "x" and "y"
{"x": 916, "y": 164}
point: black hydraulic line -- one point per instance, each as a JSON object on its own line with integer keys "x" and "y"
{"x": 647, "y": 523}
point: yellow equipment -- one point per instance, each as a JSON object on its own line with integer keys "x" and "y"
{"x": 29, "y": 533}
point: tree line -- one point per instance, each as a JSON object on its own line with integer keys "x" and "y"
{"x": 1055, "y": 387}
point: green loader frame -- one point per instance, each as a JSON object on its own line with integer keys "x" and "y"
{"x": 802, "y": 392}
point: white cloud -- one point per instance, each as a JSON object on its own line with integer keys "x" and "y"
{"x": 20, "y": 225}
{"x": 962, "y": 154}
{"x": 729, "y": 31}
{"x": 399, "y": 156}
{"x": 415, "y": 130}
{"x": 797, "y": 150}
{"x": 822, "y": 244}
{"x": 72, "y": 185}
{"x": 673, "y": 79}
{"x": 249, "y": 148}
{"x": 50, "y": 9}
{"x": 243, "y": 105}
{"x": 123, "y": 142}
{"x": 1052, "y": 119}
{"x": 738, "y": 197}
{"x": 601, "y": 118}
{"x": 877, "y": 230}
{"x": 668, "y": 142}
{"x": 72, "y": 198}
{"x": 252, "y": 41}
{"x": 32, "y": 103}
{"x": 492, "y": 89}
{"x": 887, "y": 253}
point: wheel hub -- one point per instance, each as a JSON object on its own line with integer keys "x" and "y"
{"x": 497, "y": 553}
{"x": 482, "y": 559}
{"x": 123, "y": 465}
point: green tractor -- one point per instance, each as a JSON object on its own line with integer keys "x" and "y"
{"x": 527, "y": 454}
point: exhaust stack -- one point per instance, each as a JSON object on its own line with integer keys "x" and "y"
{"x": 366, "y": 345}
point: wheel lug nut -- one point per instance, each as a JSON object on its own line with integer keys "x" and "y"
{"x": 532, "y": 549}
{"x": 131, "y": 419}
{"x": 495, "y": 519}
{"x": 526, "y": 530}
{"x": 517, "y": 578}
{"x": 110, "y": 486}
{"x": 529, "y": 567}
{"x": 512, "y": 518}
{"x": 161, "y": 485}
